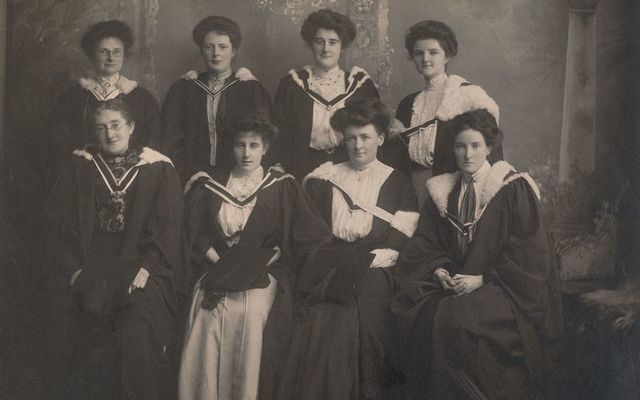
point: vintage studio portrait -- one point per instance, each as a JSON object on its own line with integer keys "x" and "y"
{"x": 319, "y": 200}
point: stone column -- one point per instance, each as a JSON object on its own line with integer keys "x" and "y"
{"x": 578, "y": 141}
{"x": 3, "y": 79}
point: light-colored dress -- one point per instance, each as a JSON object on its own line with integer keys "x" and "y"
{"x": 222, "y": 348}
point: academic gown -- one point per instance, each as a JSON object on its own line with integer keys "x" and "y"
{"x": 294, "y": 111}
{"x": 119, "y": 340}
{"x": 457, "y": 97}
{"x": 281, "y": 217}
{"x": 342, "y": 337}
{"x": 70, "y": 122}
{"x": 185, "y": 136}
{"x": 503, "y": 337}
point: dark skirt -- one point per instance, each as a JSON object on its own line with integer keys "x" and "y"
{"x": 340, "y": 351}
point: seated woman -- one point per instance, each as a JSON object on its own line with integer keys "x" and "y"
{"x": 340, "y": 346}
{"x": 423, "y": 117}
{"x": 307, "y": 98}
{"x": 115, "y": 221}
{"x": 199, "y": 108}
{"x": 479, "y": 287}
{"x": 248, "y": 230}
{"x": 70, "y": 125}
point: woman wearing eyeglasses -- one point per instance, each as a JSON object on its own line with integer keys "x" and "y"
{"x": 107, "y": 45}
{"x": 114, "y": 222}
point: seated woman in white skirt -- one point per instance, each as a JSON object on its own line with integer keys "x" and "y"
{"x": 248, "y": 230}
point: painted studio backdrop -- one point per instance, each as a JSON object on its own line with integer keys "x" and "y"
{"x": 562, "y": 73}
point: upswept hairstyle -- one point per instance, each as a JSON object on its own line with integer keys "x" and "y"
{"x": 481, "y": 121}
{"x": 265, "y": 129}
{"x": 221, "y": 25}
{"x": 106, "y": 29}
{"x": 331, "y": 20}
{"x": 117, "y": 105}
{"x": 360, "y": 113}
{"x": 432, "y": 30}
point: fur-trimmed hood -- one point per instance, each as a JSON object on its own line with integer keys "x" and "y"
{"x": 500, "y": 175}
{"x": 323, "y": 172}
{"x": 355, "y": 72}
{"x": 125, "y": 85}
{"x": 147, "y": 156}
{"x": 243, "y": 74}
{"x": 459, "y": 97}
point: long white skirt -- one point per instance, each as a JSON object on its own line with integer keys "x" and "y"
{"x": 222, "y": 349}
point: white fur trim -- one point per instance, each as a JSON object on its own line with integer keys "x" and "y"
{"x": 528, "y": 179}
{"x": 126, "y": 85}
{"x": 405, "y": 222}
{"x": 384, "y": 258}
{"x": 439, "y": 188}
{"x": 150, "y": 156}
{"x": 191, "y": 75}
{"x": 194, "y": 178}
{"x": 86, "y": 83}
{"x": 354, "y": 70}
{"x": 323, "y": 172}
{"x": 494, "y": 181}
{"x": 458, "y": 99}
{"x": 83, "y": 153}
{"x": 245, "y": 75}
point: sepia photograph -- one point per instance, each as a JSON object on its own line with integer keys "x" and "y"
{"x": 319, "y": 199}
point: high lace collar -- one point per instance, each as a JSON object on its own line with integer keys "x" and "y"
{"x": 436, "y": 82}
{"x": 219, "y": 77}
{"x": 331, "y": 74}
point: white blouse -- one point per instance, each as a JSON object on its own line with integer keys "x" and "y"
{"x": 231, "y": 217}
{"x": 425, "y": 106}
{"x": 328, "y": 85}
{"x": 363, "y": 185}
{"x": 216, "y": 82}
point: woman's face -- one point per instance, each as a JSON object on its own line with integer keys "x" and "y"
{"x": 112, "y": 132}
{"x": 326, "y": 48}
{"x": 429, "y": 58}
{"x": 470, "y": 150}
{"x": 108, "y": 56}
{"x": 217, "y": 52}
{"x": 248, "y": 149}
{"x": 362, "y": 144}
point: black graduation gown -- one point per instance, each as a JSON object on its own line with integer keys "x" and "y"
{"x": 281, "y": 217}
{"x": 185, "y": 135}
{"x": 294, "y": 111}
{"x": 396, "y": 154}
{"x": 133, "y": 332}
{"x": 341, "y": 339}
{"x": 504, "y": 336}
{"x": 70, "y": 122}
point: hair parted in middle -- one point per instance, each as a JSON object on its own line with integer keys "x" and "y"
{"x": 362, "y": 112}
{"x": 265, "y": 129}
{"x": 117, "y": 105}
{"x": 479, "y": 120}
{"x": 330, "y": 20}
{"x": 221, "y": 25}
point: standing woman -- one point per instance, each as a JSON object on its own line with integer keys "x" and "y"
{"x": 249, "y": 229}
{"x": 200, "y": 108}
{"x": 70, "y": 125}
{"x": 479, "y": 291}
{"x": 307, "y": 98}
{"x": 340, "y": 347}
{"x": 422, "y": 149}
{"x": 114, "y": 220}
